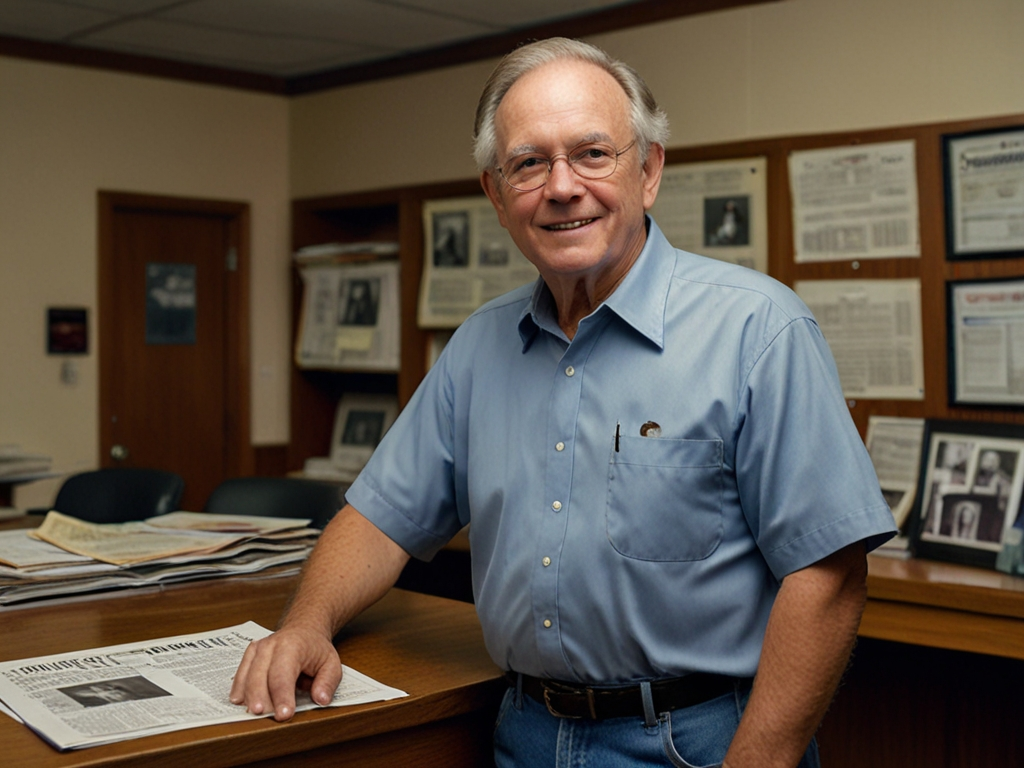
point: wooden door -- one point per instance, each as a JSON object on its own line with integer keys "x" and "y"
{"x": 173, "y": 314}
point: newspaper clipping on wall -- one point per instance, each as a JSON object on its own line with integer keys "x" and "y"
{"x": 103, "y": 695}
{"x": 469, "y": 259}
{"x": 894, "y": 444}
{"x": 855, "y": 202}
{"x": 716, "y": 209}
{"x": 350, "y": 317}
{"x": 988, "y": 342}
{"x": 873, "y": 328}
{"x": 985, "y": 178}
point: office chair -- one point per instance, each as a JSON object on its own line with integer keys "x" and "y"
{"x": 277, "y": 497}
{"x": 118, "y": 495}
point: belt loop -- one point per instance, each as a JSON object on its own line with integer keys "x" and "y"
{"x": 518, "y": 700}
{"x": 650, "y": 718}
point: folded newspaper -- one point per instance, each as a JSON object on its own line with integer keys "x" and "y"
{"x": 102, "y": 695}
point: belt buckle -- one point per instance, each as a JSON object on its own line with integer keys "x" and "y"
{"x": 590, "y": 703}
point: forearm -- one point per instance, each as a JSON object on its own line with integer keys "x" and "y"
{"x": 352, "y": 566}
{"x": 810, "y": 634}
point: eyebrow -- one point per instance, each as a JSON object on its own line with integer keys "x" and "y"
{"x": 528, "y": 149}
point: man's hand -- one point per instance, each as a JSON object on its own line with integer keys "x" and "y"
{"x": 351, "y": 567}
{"x": 273, "y": 667}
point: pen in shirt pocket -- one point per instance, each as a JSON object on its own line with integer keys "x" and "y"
{"x": 647, "y": 429}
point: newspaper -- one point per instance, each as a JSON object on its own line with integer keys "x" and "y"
{"x": 717, "y": 209}
{"x": 124, "y": 543}
{"x": 873, "y": 328}
{"x": 986, "y": 187}
{"x": 469, "y": 259}
{"x": 857, "y": 202}
{"x": 350, "y": 317}
{"x": 137, "y": 555}
{"x": 987, "y": 337}
{"x": 120, "y": 692}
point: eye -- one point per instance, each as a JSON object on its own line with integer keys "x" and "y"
{"x": 524, "y": 164}
{"x": 592, "y": 154}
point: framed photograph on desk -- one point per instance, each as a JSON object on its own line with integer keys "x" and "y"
{"x": 984, "y": 189}
{"x": 969, "y": 495}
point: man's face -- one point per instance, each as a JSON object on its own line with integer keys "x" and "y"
{"x": 573, "y": 227}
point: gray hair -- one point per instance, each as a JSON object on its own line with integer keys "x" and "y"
{"x": 648, "y": 120}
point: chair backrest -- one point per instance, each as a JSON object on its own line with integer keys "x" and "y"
{"x": 277, "y": 497}
{"x": 118, "y": 495}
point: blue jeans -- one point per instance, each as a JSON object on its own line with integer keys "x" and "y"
{"x": 528, "y": 736}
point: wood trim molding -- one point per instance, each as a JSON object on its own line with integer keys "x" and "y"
{"x": 608, "y": 20}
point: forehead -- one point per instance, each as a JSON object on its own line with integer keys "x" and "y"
{"x": 560, "y": 104}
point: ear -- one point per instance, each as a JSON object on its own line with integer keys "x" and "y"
{"x": 652, "y": 174}
{"x": 493, "y": 189}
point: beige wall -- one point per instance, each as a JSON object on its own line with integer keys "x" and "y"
{"x": 792, "y": 67}
{"x": 64, "y": 134}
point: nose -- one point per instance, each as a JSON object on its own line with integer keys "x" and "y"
{"x": 563, "y": 182}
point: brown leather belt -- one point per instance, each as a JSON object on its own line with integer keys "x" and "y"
{"x": 603, "y": 702}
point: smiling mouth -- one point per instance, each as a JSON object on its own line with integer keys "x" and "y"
{"x": 569, "y": 225}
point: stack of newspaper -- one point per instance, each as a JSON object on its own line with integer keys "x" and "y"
{"x": 16, "y": 463}
{"x": 66, "y": 556}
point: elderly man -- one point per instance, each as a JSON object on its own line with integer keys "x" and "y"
{"x": 670, "y": 505}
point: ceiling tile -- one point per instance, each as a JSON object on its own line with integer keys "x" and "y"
{"x": 521, "y": 13}
{"x": 42, "y": 20}
{"x": 280, "y": 55}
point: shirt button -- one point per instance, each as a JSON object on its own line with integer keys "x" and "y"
{"x": 557, "y": 505}
{"x": 570, "y": 371}
{"x": 547, "y": 623}
{"x": 559, "y": 446}
{"x": 546, "y": 561}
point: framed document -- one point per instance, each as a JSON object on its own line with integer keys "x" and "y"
{"x": 984, "y": 189}
{"x": 985, "y": 320}
{"x": 968, "y": 500}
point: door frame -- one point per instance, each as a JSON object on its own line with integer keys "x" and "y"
{"x": 240, "y": 458}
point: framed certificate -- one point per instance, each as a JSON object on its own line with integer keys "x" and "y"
{"x": 984, "y": 190}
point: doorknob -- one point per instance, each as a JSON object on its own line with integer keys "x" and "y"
{"x": 118, "y": 453}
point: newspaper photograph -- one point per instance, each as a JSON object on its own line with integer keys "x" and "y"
{"x": 985, "y": 188}
{"x": 873, "y": 328}
{"x": 103, "y": 695}
{"x": 988, "y": 342}
{"x": 350, "y": 317}
{"x": 855, "y": 202}
{"x": 468, "y": 259}
{"x": 717, "y": 209}
{"x": 894, "y": 445}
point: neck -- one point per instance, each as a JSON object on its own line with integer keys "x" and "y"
{"x": 576, "y": 296}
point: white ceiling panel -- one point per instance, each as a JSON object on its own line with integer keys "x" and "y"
{"x": 509, "y": 15}
{"x": 44, "y": 20}
{"x": 248, "y": 51}
{"x": 282, "y": 38}
{"x": 362, "y": 22}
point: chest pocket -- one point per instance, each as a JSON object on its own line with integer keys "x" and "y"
{"x": 665, "y": 498}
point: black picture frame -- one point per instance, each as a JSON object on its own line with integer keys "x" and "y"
{"x": 969, "y": 491}
{"x": 955, "y": 147}
{"x": 1003, "y": 291}
{"x": 67, "y": 331}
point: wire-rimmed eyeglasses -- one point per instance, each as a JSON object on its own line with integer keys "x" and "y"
{"x": 591, "y": 160}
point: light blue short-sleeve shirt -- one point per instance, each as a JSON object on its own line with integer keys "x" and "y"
{"x": 603, "y": 555}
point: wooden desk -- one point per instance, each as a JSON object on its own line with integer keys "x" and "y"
{"x": 430, "y": 647}
{"x": 942, "y": 605}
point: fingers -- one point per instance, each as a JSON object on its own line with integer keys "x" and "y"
{"x": 267, "y": 676}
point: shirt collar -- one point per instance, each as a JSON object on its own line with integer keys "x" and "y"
{"x": 639, "y": 300}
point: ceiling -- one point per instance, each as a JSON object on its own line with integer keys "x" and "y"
{"x": 291, "y": 45}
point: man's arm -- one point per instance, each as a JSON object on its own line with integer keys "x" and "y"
{"x": 811, "y": 632}
{"x": 351, "y": 567}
